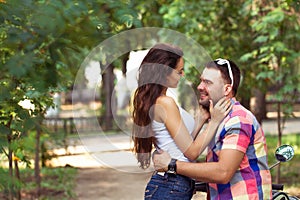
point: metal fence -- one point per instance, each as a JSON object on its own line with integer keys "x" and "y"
{"x": 73, "y": 125}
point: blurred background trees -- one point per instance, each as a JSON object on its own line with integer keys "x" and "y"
{"x": 43, "y": 43}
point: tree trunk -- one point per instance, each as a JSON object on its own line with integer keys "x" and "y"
{"x": 44, "y": 155}
{"x": 124, "y": 63}
{"x": 10, "y": 162}
{"x": 107, "y": 88}
{"x": 17, "y": 174}
{"x": 259, "y": 105}
{"x": 10, "y": 169}
{"x": 37, "y": 160}
{"x": 246, "y": 103}
{"x": 279, "y": 128}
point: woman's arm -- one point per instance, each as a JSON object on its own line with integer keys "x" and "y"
{"x": 169, "y": 114}
{"x": 200, "y": 119}
{"x": 217, "y": 112}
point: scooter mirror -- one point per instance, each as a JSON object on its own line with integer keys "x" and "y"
{"x": 284, "y": 153}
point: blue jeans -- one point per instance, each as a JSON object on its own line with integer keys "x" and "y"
{"x": 169, "y": 187}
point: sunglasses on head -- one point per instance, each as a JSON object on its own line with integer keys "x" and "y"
{"x": 221, "y": 61}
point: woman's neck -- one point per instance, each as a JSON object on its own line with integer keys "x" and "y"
{"x": 164, "y": 91}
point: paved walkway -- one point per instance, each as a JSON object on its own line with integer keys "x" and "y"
{"x": 291, "y": 126}
{"x": 113, "y": 151}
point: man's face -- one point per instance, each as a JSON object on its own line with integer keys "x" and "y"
{"x": 211, "y": 87}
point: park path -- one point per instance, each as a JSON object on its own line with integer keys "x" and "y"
{"x": 110, "y": 184}
{"x": 108, "y": 171}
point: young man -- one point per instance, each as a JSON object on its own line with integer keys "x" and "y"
{"x": 236, "y": 166}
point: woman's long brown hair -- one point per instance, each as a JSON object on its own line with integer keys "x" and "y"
{"x": 157, "y": 65}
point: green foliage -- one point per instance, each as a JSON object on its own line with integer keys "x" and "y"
{"x": 42, "y": 44}
{"x": 275, "y": 49}
{"x": 55, "y": 181}
{"x": 6, "y": 183}
{"x": 289, "y": 170}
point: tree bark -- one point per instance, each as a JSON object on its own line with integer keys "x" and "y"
{"x": 108, "y": 78}
{"x": 10, "y": 169}
{"x": 37, "y": 160}
{"x": 246, "y": 103}
{"x": 10, "y": 162}
{"x": 17, "y": 174}
{"x": 259, "y": 106}
{"x": 279, "y": 127}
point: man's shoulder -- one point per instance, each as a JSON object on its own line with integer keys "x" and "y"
{"x": 239, "y": 111}
{"x": 240, "y": 114}
{"x": 241, "y": 118}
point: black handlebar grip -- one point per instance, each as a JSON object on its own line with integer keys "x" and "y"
{"x": 201, "y": 186}
{"x": 277, "y": 186}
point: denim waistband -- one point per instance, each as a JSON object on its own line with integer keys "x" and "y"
{"x": 168, "y": 176}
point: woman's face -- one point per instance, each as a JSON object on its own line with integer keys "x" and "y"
{"x": 177, "y": 73}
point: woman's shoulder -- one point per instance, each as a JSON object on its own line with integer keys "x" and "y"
{"x": 165, "y": 100}
{"x": 165, "y": 106}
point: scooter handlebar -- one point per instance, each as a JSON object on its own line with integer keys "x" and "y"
{"x": 277, "y": 186}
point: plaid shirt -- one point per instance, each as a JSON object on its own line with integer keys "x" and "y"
{"x": 241, "y": 131}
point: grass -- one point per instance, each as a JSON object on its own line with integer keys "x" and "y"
{"x": 289, "y": 171}
{"x": 57, "y": 183}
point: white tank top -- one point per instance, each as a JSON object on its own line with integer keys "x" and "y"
{"x": 164, "y": 139}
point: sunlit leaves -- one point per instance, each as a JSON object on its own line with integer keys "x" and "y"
{"x": 275, "y": 33}
{"x": 261, "y": 39}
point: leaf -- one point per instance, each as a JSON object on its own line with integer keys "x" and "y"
{"x": 258, "y": 26}
{"x": 4, "y": 130}
{"x": 17, "y": 125}
{"x": 23, "y": 114}
{"x": 45, "y": 19}
{"x": 280, "y": 47}
{"x": 264, "y": 75}
{"x": 29, "y": 124}
{"x": 264, "y": 49}
{"x": 19, "y": 64}
{"x": 246, "y": 57}
{"x": 4, "y": 93}
{"x": 261, "y": 39}
{"x": 275, "y": 16}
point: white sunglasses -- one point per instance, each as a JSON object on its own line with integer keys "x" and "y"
{"x": 221, "y": 61}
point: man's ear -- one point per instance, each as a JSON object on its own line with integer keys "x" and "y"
{"x": 228, "y": 89}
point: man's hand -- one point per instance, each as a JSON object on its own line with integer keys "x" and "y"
{"x": 161, "y": 160}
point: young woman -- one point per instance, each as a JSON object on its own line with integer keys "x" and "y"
{"x": 159, "y": 121}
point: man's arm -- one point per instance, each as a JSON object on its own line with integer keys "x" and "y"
{"x": 213, "y": 172}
